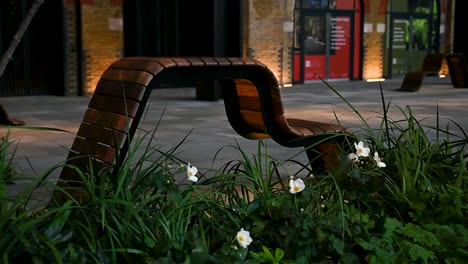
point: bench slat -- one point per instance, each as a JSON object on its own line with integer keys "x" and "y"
{"x": 102, "y": 134}
{"x": 94, "y": 149}
{"x": 115, "y": 105}
{"x": 250, "y": 103}
{"x": 222, "y": 61}
{"x": 195, "y": 62}
{"x": 107, "y": 120}
{"x": 138, "y": 77}
{"x": 130, "y": 91}
{"x": 181, "y": 62}
{"x": 308, "y": 127}
{"x": 253, "y": 119}
{"x": 148, "y": 66}
{"x": 209, "y": 61}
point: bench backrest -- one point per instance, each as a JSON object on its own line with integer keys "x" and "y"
{"x": 458, "y": 69}
{"x": 250, "y": 90}
{"x": 432, "y": 63}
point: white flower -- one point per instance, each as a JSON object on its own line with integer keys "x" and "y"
{"x": 361, "y": 151}
{"x": 296, "y": 186}
{"x": 379, "y": 162}
{"x": 353, "y": 157}
{"x": 191, "y": 172}
{"x": 243, "y": 238}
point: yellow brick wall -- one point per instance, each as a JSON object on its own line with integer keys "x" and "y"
{"x": 373, "y": 43}
{"x": 266, "y": 40}
{"x": 101, "y": 44}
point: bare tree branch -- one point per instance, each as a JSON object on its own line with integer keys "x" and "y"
{"x": 19, "y": 35}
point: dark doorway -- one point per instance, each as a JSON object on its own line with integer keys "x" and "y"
{"x": 36, "y": 67}
{"x": 182, "y": 28}
{"x": 460, "y": 40}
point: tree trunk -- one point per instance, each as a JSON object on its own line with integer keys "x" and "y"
{"x": 19, "y": 35}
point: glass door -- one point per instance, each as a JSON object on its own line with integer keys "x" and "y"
{"x": 326, "y": 46}
{"x": 410, "y": 41}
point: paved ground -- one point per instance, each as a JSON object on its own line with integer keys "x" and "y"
{"x": 206, "y": 125}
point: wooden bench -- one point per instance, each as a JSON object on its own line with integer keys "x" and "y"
{"x": 431, "y": 66}
{"x": 458, "y": 70}
{"x": 252, "y": 100}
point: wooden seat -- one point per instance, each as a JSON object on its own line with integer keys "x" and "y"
{"x": 431, "y": 66}
{"x": 252, "y": 100}
{"x": 412, "y": 81}
{"x": 458, "y": 70}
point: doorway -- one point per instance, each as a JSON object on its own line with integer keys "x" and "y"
{"x": 409, "y": 43}
{"x": 326, "y": 47}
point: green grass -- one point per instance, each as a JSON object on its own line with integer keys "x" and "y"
{"x": 414, "y": 210}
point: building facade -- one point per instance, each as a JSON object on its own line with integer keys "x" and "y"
{"x": 301, "y": 41}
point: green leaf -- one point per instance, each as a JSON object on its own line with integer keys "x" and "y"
{"x": 419, "y": 235}
{"x": 390, "y": 225}
{"x": 417, "y": 252}
{"x": 279, "y": 254}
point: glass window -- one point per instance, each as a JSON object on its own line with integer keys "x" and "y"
{"x": 423, "y": 6}
{"x": 315, "y": 4}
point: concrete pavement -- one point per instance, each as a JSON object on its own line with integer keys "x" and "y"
{"x": 205, "y": 123}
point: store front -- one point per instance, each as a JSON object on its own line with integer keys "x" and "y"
{"x": 327, "y": 36}
{"x": 414, "y": 32}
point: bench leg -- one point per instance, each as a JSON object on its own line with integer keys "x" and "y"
{"x": 325, "y": 157}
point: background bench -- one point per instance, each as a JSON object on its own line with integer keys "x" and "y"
{"x": 252, "y": 100}
{"x": 431, "y": 66}
{"x": 458, "y": 70}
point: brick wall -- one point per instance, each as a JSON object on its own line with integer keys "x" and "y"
{"x": 267, "y": 41}
{"x": 373, "y": 64}
{"x": 71, "y": 59}
{"x": 102, "y": 37}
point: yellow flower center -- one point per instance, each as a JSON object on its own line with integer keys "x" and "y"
{"x": 296, "y": 188}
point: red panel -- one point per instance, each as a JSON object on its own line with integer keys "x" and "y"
{"x": 297, "y": 68}
{"x": 345, "y": 4}
{"x": 357, "y": 46}
{"x": 341, "y": 41}
{"x": 314, "y": 65}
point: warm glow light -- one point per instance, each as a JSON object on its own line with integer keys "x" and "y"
{"x": 442, "y": 76}
{"x": 287, "y": 85}
{"x": 376, "y": 80}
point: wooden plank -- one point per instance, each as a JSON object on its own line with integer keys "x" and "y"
{"x": 85, "y": 162}
{"x": 250, "y": 61}
{"x": 108, "y": 120}
{"x": 101, "y": 134}
{"x": 148, "y": 66}
{"x": 194, "y": 61}
{"x": 246, "y": 88}
{"x": 130, "y": 91}
{"x": 209, "y": 61}
{"x": 181, "y": 62}
{"x": 132, "y": 76}
{"x": 94, "y": 149}
{"x": 249, "y": 103}
{"x": 222, "y": 61}
{"x": 115, "y": 105}
{"x": 253, "y": 119}
{"x": 236, "y": 61}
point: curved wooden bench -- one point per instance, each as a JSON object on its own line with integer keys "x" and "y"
{"x": 431, "y": 66}
{"x": 458, "y": 70}
{"x": 251, "y": 94}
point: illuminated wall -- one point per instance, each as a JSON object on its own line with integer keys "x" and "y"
{"x": 374, "y": 29}
{"x": 269, "y": 35}
{"x": 101, "y": 39}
